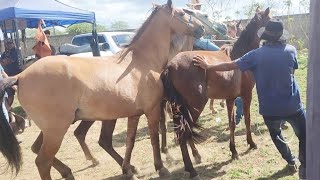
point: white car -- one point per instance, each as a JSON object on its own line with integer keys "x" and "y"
{"x": 111, "y": 42}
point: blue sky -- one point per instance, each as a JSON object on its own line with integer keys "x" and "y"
{"x": 134, "y": 12}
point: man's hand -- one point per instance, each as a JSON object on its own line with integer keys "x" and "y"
{"x": 15, "y": 87}
{"x": 200, "y": 61}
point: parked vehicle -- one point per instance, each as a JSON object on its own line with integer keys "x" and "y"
{"x": 109, "y": 43}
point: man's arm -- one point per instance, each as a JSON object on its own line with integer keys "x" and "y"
{"x": 203, "y": 63}
{"x": 4, "y": 74}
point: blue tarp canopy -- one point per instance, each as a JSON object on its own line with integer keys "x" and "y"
{"x": 53, "y": 12}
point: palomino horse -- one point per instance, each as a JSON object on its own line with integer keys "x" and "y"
{"x": 57, "y": 91}
{"x": 188, "y": 87}
{"x": 178, "y": 44}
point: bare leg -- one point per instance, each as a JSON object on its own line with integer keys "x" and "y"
{"x": 80, "y": 134}
{"x": 232, "y": 127}
{"x": 246, "y": 112}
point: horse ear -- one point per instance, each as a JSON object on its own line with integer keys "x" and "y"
{"x": 155, "y": 5}
{"x": 239, "y": 23}
{"x": 258, "y": 9}
{"x": 266, "y": 12}
{"x": 169, "y": 3}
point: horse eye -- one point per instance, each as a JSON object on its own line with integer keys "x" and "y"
{"x": 182, "y": 13}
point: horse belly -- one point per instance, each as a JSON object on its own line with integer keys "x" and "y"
{"x": 108, "y": 107}
{"x": 223, "y": 85}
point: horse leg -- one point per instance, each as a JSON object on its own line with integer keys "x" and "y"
{"x": 246, "y": 112}
{"x": 52, "y": 139}
{"x": 232, "y": 127}
{"x": 195, "y": 152}
{"x": 163, "y": 132}
{"x": 80, "y": 134}
{"x": 213, "y": 111}
{"x": 105, "y": 141}
{"x": 153, "y": 125}
{"x": 222, "y": 103}
{"x": 131, "y": 135}
{"x": 63, "y": 169}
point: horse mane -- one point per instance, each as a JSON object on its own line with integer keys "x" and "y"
{"x": 227, "y": 49}
{"x": 244, "y": 40}
{"x": 129, "y": 47}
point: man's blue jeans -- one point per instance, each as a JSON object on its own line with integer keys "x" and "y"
{"x": 298, "y": 123}
{"x": 239, "y": 109}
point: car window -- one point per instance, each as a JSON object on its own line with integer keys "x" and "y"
{"x": 122, "y": 39}
{"x": 83, "y": 40}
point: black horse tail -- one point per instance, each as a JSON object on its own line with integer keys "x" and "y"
{"x": 9, "y": 145}
{"x": 184, "y": 125}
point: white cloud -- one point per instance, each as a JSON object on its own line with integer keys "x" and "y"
{"x": 134, "y": 12}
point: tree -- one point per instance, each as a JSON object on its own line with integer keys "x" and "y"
{"x": 119, "y": 25}
{"x": 84, "y": 28}
{"x": 250, "y": 10}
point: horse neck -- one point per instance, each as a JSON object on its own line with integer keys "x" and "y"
{"x": 247, "y": 41}
{"x": 152, "y": 48}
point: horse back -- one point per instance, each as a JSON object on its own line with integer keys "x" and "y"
{"x": 217, "y": 84}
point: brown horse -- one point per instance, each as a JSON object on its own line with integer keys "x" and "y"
{"x": 57, "y": 91}
{"x": 234, "y": 31}
{"x": 188, "y": 88}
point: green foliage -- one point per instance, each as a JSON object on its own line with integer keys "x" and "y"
{"x": 250, "y": 10}
{"x": 119, "y": 25}
{"x": 84, "y": 28}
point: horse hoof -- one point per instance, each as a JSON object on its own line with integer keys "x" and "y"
{"x": 197, "y": 159}
{"x": 214, "y": 112}
{"x": 163, "y": 172}
{"x": 235, "y": 156}
{"x": 196, "y": 178}
{"x": 95, "y": 162}
{"x": 135, "y": 170}
{"x": 222, "y": 104}
{"x": 253, "y": 146}
{"x": 169, "y": 158}
{"x": 70, "y": 177}
{"x": 134, "y": 178}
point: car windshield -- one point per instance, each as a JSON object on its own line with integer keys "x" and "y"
{"x": 83, "y": 40}
{"x": 122, "y": 39}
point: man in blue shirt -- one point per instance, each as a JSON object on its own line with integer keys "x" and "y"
{"x": 273, "y": 67}
{"x": 10, "y": 63}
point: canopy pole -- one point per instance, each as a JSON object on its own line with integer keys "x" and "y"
{"x": 313, "y": 95}
{"x": 95, "y": 42}
{"x": 17, "y": 42}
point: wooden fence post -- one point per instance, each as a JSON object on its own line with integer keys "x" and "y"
{"x": 313, "y": 94}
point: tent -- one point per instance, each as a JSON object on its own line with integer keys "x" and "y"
{"x": 18, "y": 15}
{"x": 53, "y": 12}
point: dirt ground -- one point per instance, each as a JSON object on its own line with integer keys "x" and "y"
{"x": 263, "y": 163}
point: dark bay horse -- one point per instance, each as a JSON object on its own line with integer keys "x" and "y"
{"x": 188, "y": 88}
{"x": 58, "y": 90}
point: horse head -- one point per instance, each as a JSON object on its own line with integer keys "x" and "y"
{"x": 179, "y": 21}
{"x": 262, "y": 17}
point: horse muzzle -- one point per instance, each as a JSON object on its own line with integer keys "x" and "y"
{"x": 199, "y": 32}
